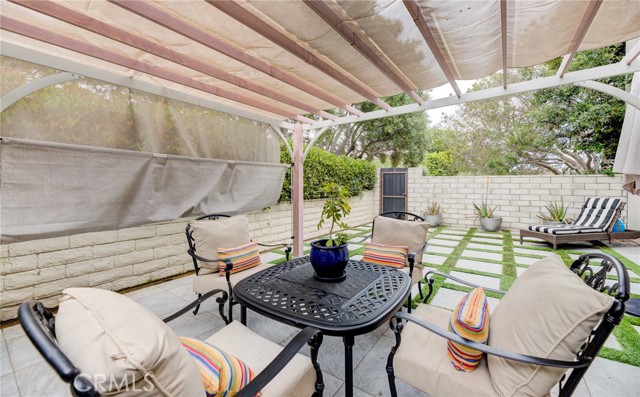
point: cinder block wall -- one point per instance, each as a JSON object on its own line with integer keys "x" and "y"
{"x": 116, "y": 260}
{"x": 520, "y": 198}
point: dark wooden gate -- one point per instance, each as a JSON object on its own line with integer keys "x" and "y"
{"x": 393, "y": 189}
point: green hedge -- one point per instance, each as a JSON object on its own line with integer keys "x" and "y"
{"x": 321, "y": 167}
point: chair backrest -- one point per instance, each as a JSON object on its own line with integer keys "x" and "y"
{"x": 619, "y": 289}
{"x": 599, "y": 213}
{"x": 400, "y": 229}
{"x": 39, "y": 324}
{"x": 191, "y": 239}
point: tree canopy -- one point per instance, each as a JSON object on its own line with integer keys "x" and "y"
{"x": 398, "y": 139}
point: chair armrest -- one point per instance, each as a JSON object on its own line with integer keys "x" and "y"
{"x": 220, "y": 300}
{"x": 277, "y": 364}
{"x": 362, "y": 239}
{"x": 485, "y": 348}
{"x": 430, "y": 281}
{"x": 287, "y": 247}
{"x": 201, "y": 259}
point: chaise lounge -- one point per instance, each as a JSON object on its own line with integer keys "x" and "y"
{"x": 595, "y": 222}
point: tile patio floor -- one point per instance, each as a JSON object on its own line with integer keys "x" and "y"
{"x": 25, "y": 374}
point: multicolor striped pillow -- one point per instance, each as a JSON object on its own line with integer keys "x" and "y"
{"x": 386, "y": 255}
{"x": 222, "y": 374}
{"x": 243, "y": 257}
{"x": 470, "y": 320}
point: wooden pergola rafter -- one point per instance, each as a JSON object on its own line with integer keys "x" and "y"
{"x": 581, "y": 31}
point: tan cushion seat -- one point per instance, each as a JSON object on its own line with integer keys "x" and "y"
{"x": 206, "y": 282}
{"x": 418, "y": 271}
{"x": 220, "y": 233}
{"x": 428, "y": 368}
{"x": 297, "y": 379}
{"x": 390, "y": 231}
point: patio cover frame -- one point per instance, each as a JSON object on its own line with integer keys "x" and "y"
{"x": 253, "y": 16}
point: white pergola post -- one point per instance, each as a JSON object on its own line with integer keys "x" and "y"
{"x": 297, "y": 192}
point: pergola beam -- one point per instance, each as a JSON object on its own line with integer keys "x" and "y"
{"x": 162, "y": 18}
{"x": 83, "y": 21}
{"x": 632, "y": 54}
{"x": 537, "y": 84}
{"x": 421, "y": 23}
{"x": 68, "y": 43}
{"x": 503, "y": 36}
{"x": 344, "y": 30}
{"x": 251, "y": 21}
{"x": 583, "y": 27}
{"x": 13, "y": 96}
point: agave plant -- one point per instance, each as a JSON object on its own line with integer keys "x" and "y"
{"x": 483, "y": 210}
{"x": 433, "y": 208}
{"x": 556, "y": 212}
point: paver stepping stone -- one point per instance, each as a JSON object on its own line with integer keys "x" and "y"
{"x": 497, "y": 235}
{"x": 452, "y": 237}
{"x": 612, "y": 343}
{"x": 484, "y": 246}
{"x": 448, "y": 299}
{"x": 480, "y": 254}
{"x": 531, "y": 252}
{"x": 435, "y": 259}
{"x": 448, "y": 243}
{"x": 526, "y": 261}
{"x": 484, "y": 281}
{"x": 460, "y": 232}
{"x": 440, "y": 250}
{"x": 476, "y": 239}
{"x": 520, "y": 270}
{"x": 356, "y": 257}
{"x": 479, "y": 266}
{"x": 352, "y": 231}
{"x": 269, "y": 257}
{"x": 353, "y": 247}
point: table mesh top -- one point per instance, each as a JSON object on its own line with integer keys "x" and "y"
{"x": 289, "y": 289}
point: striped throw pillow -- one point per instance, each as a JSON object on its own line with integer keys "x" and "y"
{"x": 470, "y": 320}
{"x": 243, "y": 257}
{"x": 222, "y": 374}
{"x": 386, "y": 255}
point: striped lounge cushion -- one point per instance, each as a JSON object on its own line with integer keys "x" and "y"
{"x": 470, "y": 320}
{"x": 386, "y": 255}
{"x": 243, "y": 257}
{"x": 598, "y": 212}
{"x": 563, "y": 229}
{"x": 222, "y": 374}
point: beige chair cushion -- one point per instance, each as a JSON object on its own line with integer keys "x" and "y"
{"x": 222, "y": 233}
{"x": 422, "y": 361}
{"x": 298, "y": 377}
{"x": 204, "y": 283}
{"x": 548, "y": 312}
{"x": 390, "y": 231}
{"x": 122, "y": 346}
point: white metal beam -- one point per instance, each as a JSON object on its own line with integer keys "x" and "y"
{"x": 625, "y": 96}
{"x": 11, "y": 97}
{"x": 313, "y": 142}
{"x": 537, "y": 84}
{"x": 60, "y": 63}
{"x": 284, "y": 139}
{"x": 632, "y": 54}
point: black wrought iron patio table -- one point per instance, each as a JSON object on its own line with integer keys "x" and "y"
{"x": 368, "y": 297}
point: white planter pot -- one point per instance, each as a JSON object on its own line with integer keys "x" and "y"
{"x": 490, "y": 224}
{"x": 433, "y": 220}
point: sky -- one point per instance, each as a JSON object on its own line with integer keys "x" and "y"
{"x": 435, "y": 115}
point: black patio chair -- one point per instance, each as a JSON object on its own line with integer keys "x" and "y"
{"x": 208, "y": 278}
{"x": 547, "y": 291}
{"x": 39, "y": 323}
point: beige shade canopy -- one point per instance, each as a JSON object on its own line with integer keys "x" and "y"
{"x": 286, "y": 60}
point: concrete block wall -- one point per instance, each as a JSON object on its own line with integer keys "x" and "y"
{"x": 520, "y": 198}
{"x": 116, "y": 260}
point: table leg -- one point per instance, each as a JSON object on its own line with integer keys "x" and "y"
{"x": 348, "y": 365}
{"x": 243, "y": 315}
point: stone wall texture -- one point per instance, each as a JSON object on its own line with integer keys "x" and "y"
{"x": 121, "y": 259}
{"x": 126, "y": 258}
{"x": 520, "y": 198}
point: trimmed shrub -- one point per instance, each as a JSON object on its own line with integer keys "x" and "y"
{"x": 322, "y": 167}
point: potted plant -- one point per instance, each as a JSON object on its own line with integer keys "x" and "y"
{"x": 556, "y": 213}
{"x": 433, "y": 214}
{"x": 329, "y": 256}
{"x": 485, "y": 213}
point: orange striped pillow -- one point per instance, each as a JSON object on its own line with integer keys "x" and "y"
{"x": 386, "y": 255}
{"x": 470, "y": 319}
{"x": 243, "y": 257}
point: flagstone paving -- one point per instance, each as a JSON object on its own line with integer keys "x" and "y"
{"x": 24, "y": 373}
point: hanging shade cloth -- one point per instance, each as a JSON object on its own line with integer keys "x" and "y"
{"x": 628, "y": 155}
{"x": 52, "y": 189}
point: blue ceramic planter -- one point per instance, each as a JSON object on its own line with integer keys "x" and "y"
{"x": 329, "y": 263}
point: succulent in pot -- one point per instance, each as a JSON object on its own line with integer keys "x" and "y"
{"x": 433, "y": 214}
{"x": 329, "y": 256}
{"x": 486, "y": 213}
{"x": 556, "y": 213}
